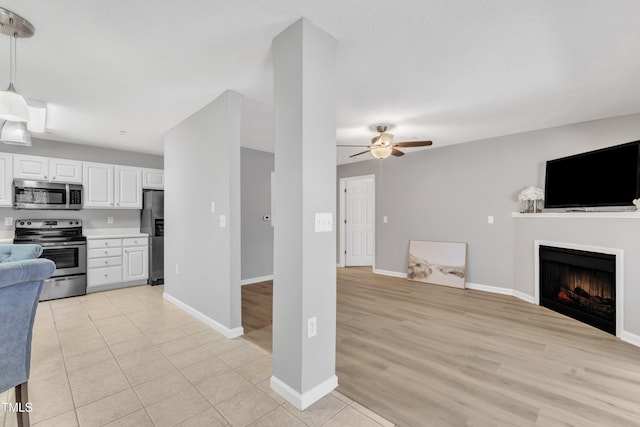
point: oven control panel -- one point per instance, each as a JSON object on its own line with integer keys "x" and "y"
{"x": 48, "y": 223}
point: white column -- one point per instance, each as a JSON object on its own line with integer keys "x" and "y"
{"x": 305, "y": 186}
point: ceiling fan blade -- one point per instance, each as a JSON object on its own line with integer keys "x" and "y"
{"x": 340, "y": 145}
{"x": 396, "y": 153}
{"x": 413, "y": 144}
{"x": 364, "y": 152}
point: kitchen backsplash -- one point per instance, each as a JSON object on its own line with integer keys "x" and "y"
{"x": 91, "y": 218}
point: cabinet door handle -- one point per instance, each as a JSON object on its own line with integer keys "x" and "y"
{"x": 45, "y": 177}
{"x": 106, "y": 253}
{"x": 106, "y": 275}
{"x": 54, "y": 178}
{"x": 106, "y": 262}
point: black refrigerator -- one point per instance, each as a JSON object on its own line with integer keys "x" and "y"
{"x": 152, "y": 223}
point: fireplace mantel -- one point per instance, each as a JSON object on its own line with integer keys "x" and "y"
{"x": 608, "y": 215}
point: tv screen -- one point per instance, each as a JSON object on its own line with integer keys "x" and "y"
{"x": 606, "y": 177}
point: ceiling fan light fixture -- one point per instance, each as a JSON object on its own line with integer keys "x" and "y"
{"x": 15, "y": 133}
{"x": 381, "y": 152}
{"x": 385, "y": 139}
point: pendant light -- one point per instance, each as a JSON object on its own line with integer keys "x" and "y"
{"x": 15, "y": 133}
{"x": 13, "y": 106}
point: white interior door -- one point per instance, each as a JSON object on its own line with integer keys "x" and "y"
{"x": 359, "y": 226}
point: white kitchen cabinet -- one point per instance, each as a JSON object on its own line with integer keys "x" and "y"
{"x": 64, "y": 170}
{"x": 116, "y": 262}
{"x": 97, "y": 179}
{"x": 104, "y": 263}
{"x": 6, "y": 179}
{"x": 128, "y": 187}
{"x": 47, "y": 169}
{"x": 30, "y": 167}
{"x": 135, "y": 259}
{"x": 153, "y": 179}
{"x": 108, "y": 186}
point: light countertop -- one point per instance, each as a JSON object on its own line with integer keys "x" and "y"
{"x": 112, "y": 233}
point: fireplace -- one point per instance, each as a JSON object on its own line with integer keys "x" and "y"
{"x": 580, "y": 284}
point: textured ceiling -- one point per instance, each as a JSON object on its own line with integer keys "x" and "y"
{"x": 446, "y": 70}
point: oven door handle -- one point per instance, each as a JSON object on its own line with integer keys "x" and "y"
{"x": 54, "y": 244}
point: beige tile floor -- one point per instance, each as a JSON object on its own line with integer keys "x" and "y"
{"x": 128, "y": 358}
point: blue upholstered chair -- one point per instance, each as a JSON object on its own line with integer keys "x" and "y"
{"x": 21, "y": 277}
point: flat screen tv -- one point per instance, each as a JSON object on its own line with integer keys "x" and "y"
{"x": 600, "y": 178}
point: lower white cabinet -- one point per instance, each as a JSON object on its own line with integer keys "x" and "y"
{"x": 135, "y": 264}
{"x": 116, "y": 262}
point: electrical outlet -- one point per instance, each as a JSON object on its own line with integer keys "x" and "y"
{"x": 177, "y": 269}
{"x": 8, "y": 220}
{"x": 312, "y": 327}
{"x": 385, "y": 219}
{"x": 109, "y": 220}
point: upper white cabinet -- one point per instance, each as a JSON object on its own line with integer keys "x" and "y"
{"x": 128, "y": 187}
{"x": 46, "y": 169}
{"x": 30, "y": 167}
{"x": 153, "y": 179}
{"x": 98, "y": 185}
{"x": 63, "y": 170}
{"x": 6, "y": 179}
{"x": 109, "y": 186}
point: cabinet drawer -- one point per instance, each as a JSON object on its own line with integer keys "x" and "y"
{"x": 105, "y": 262}
{"x": 104, "y": 243}
{"x": 104, "y": 252}
{"x": 135, "y": 241}
{"x": 103, "y": 276}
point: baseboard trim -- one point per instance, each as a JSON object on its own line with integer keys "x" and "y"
{"x": 390, "y": 273}
{"x": 524, "y": 297}
{"x": 229, "y": 333}
{"x": 303, "y": 401}
{"x": 632, "y": 339}
{"x": 253, "y": 280}
{"x": 491, "y": 289}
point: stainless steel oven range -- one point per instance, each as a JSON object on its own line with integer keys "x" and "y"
{"x": 63, "y": 243}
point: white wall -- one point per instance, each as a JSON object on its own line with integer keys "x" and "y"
{"x": 202, "y": 165}
{"x": 257, "y": 234}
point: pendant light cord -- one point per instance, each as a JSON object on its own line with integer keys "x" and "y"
{"x": 13, "y": 60}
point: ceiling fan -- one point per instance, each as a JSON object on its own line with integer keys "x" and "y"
{"x": 382, "y": 146}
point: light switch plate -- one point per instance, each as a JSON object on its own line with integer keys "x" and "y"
{"x": 324, "y": 222}
{"x": 8, "y": 220}
{"x": 312, "y": 327}
{"x": 223, "y": 221}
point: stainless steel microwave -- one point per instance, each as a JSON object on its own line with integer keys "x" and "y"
{"x": 46, "y": 195}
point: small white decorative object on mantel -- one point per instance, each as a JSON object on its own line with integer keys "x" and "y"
{"x": 637, "y": 203}
{"x": 531, "y": 199}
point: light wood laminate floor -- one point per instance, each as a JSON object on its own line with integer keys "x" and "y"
{"x": 425, "y": 355}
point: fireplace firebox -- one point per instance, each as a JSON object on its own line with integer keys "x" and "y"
{"x": 579, "y": 284}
